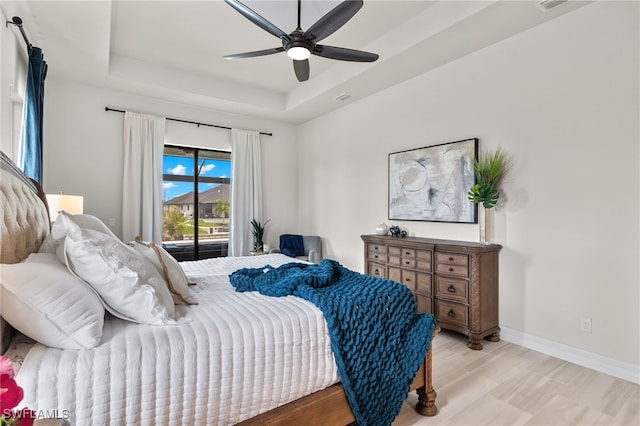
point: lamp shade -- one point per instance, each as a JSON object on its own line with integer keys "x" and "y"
{"x": 71, "y": 204}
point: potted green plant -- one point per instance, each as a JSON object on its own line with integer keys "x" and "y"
{"x": 489, "y": 169}
{"x": 257, "y": 229}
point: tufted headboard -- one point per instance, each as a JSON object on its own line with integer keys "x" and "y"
{"x": 25, "y": 220}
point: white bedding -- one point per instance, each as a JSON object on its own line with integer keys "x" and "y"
{"x": 236, "y": 355}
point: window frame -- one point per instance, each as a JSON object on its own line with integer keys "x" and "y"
{"x": 193, "y": 153}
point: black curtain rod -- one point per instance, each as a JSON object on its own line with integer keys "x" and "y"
{"x": 18, "y": 23}
{"x": 189, "y": 122}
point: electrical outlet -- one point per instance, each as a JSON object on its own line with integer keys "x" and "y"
{"x": 585, "y": 324}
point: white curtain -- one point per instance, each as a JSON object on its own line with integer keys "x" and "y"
{"x": 142, "y": 177}
{"x": 246, "y": 189}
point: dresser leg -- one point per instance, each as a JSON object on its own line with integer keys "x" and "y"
{"x": 475, "y": 343}
{"x": 494, "y": 337}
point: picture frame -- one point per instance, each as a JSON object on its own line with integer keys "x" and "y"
{"x": 432, "y": 183}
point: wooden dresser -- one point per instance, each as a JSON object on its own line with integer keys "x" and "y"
{"x": 455, "y": 280}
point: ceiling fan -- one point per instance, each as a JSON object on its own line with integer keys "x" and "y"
{"x": 300, "y": 44}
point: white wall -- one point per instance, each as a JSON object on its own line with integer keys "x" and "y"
{"x": 562, "y": 99}
{"x": 83, "y": 152}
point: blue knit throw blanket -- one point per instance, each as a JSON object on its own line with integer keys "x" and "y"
{"x": 378, "y": 339}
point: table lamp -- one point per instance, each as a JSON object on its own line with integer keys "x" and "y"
{"x": 72, "y": 204}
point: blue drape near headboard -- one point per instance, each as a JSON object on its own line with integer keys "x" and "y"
{"x": 30, "y": 157}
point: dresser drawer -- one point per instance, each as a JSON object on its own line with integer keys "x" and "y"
{"x": 423, "y": 260}
{"x": 452, "y": 264}
{"x": 395, "y": 251}
{"x": 376, "y": 270}
{"x": 424, "y": 304}
{"x": 407, "y": 263}
{"x": 376, "y": 248}
{"x": 394, "y": 260}
{"x": 405, "y": 252}
{"x": 409, "y": 279}
{"x": 452, "y": 259}
{"x": 394, "y": 274}
{"x": 423, "y": 284}
{"x": 376, "y": 257}
{"x": 451, "y": 288}
{"x": 461, "y": 271}
{"x": 455, "y": 313}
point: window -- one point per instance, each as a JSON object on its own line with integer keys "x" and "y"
{"x": 196, "y": 192}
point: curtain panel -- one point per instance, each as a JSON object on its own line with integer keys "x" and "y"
{"x": 142, "y": 177}
{"x": 31, "y": 146}
{"x": 246, "y": 189}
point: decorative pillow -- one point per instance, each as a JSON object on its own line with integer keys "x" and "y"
{"x": 129, "y": 285}
{"x": 288, "y": 252}
{"x": 87, "y": 221}
{"x": 59, "y": 232}
{"x": 168, "y": 267}
{"x": 41, "y": 299}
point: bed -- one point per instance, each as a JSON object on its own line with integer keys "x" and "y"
{"x": 221, "y": 357}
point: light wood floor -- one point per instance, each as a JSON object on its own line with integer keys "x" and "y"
{"x": 506, "y": 384}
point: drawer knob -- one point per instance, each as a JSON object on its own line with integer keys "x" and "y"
{"x": 375, "y": 248}
{"x": 451, "y": 314}
{"x": 450, "y": 269}
{"x": 407, "y": 253}
{"x": 407, "y": 279}
{"x": 375, "y": 256}
{"x": 376, "y": 272}
{"x": 406, "y": 262}
{"x": 451, "y": 289}
{"x": 450, "y": 259}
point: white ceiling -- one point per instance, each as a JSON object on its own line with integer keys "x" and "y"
{"x": 173, "y": 49}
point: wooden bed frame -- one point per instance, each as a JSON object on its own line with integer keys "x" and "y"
{"x": 325, "y": 407}
{"x": 330, "y": 406}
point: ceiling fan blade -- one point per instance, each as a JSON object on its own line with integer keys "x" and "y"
{"x": 257, "y": 19}
{"x": 255, "y": 53}
{"x": 344, "y": 54}
{"x": 333, "y": 20}
{"x": 302, "y": 69}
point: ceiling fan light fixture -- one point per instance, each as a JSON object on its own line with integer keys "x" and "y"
{"x": 298, "y": 53}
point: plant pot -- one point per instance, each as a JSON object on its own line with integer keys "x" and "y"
{"x": 485, "y": 225}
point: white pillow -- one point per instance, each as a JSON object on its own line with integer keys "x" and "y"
{"x": 58, "y": 231}
{"x": 170, "y": 269}
{"x": 87, "y": 221}
{"x": 41, "y": 299}
{"x": 129, "y": 285}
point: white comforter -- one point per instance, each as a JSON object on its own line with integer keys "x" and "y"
{"x": 235, "y": 356}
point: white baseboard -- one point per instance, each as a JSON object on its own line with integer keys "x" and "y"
{"x": 613, "y": 367}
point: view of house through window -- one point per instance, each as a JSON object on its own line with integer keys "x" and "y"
{"x": 196, "y": 192}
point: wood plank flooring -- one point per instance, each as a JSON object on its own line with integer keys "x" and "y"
{"x": 506, "y": 384}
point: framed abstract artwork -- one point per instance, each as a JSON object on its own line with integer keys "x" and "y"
{"x": 431, "y": 183}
